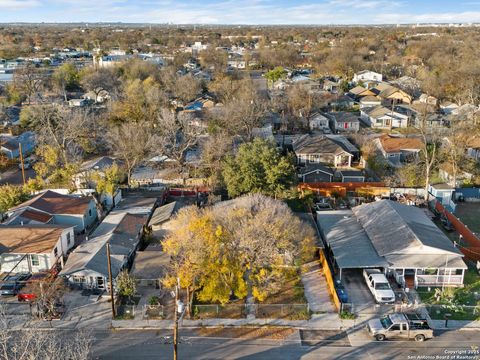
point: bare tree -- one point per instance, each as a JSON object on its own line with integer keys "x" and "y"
{"x": 430, "y": 146}
{"x": 100, "y": 80}
{"x": 133, "y": 143}
{"x": 63, "y": 129}
{"x": 177, "y": 134}
{"x": 187, "y": 88}
{"x": 35, "y": 343}
{"x": 30, "y": 80}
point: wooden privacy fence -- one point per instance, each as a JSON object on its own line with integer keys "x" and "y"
{"x": 329, "y": 279}
{"x": 472, "y": 252}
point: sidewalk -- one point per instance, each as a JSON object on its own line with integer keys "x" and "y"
{"x": 315, "y": 288}
{"x": 329, "y": 321}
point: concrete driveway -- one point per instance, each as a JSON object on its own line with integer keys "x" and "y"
{"x": 357, "y": 291}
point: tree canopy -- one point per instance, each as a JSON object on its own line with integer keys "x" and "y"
{"x": 258, "y": 167}
{"x": 236, "y": 249}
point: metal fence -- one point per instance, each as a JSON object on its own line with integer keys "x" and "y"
{"x": 442, "y": 312}
{"x": 262, "y": 311}
{"x": 153, "y": 312}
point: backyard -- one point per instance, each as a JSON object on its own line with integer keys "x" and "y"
{"x": 469, "y": 214}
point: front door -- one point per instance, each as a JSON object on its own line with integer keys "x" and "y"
{"x": 100, "y": 282}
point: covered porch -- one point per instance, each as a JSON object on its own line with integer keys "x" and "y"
{"x": 432, "y": 270}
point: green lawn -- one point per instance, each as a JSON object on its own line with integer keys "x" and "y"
{"x": 467, "y": 298}
{"x": 469, "y": 214}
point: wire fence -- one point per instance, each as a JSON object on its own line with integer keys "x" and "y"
{"x": 262, "y": 311}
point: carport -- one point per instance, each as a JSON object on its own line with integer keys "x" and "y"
{"x": 348, "y": 244}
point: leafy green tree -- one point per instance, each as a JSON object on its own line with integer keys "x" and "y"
{"x": 65, "y": 77}
{"x": 109, "y": 180}
{"x": 126, "y": 285}
{"x": 276, "y": 74}
{"x": 11, "y": 196}
{"x": 240, "y": 248}
{"x": 258, "y": 167}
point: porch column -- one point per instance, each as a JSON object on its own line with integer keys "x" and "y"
{"x": 349, "y": 161}
{"x": 340, "y": 274}
{"x": 463, "y": 274}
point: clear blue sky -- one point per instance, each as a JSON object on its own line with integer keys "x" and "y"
{"x": 242, "y": 12}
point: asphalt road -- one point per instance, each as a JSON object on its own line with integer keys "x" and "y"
{"x": 450, "y": 345}
{"x": 13, "y": 176}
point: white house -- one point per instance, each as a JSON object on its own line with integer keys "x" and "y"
{"x": 383, "y": 118}
{"x": 34, "y": 248}
{"x": 367, "y": 76}
{"x": 318, "y": 121}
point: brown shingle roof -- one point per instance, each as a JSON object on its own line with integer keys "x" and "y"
{"x": 29, "y": 239}
{"x": 36, "y": 216}
{"x": 393, "y": 144}
{"x": 55, "y": 203}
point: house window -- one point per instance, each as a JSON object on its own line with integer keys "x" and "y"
{"x": 55, "y": 251}
{"x": 79, "y": 279}
{"x": 458, "y": 271}
{"x": 35, "y": 260}
{"x": 69, "y": 239}
{"x": 89, "y": 212}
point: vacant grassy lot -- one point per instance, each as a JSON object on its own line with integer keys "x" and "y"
{"x": 469, "y": 214}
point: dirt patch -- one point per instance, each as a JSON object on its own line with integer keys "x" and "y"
{"x": 272, "y": 333}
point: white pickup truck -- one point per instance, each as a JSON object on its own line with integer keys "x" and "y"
{"x": 379, "y": 286}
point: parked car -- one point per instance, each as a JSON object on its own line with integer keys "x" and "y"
{"x": 341, "y": 292}
{"x": 400, "y": 326}
{"x": 12, "y": 284}
{"x": 379, "y": 286}
{"x": 27, "y": 292}
{"x": 322, "y": 206}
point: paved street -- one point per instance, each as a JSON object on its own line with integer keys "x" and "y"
{"x": 321, "y": 345}
{"x": 14, "y": 176}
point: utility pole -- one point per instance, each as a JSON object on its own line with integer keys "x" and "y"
{"x": 110, "y": 280}
{"x": 175, "y": 326}
{"x": 21, "y": 161}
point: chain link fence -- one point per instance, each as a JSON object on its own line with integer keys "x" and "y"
{"x": 261, "y": 311}
{"x": 153, "y": 312}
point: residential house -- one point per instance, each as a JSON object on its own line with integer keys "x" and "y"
{"x": 77, "y": 102}
{"x": 473, "y": 148}
{"x": 318, "y": 121}
{"x": 399, "y": 239}
{"x": 34, "y": 248}
{"x": 359, "y": 91}
{"x": 343, "y": 102}
{"x": 392, "y": 94}
{"x": 323, "y": 149}
{"x": 383, "y": 118}
{"x": 397, "y": 150}
{"x": 315, "y": 173}
{"x": 452, "y": 175}
{"x": 448, "y": 107}
{"x": 87, "y": 265}
{"x": 98, "y": 165}
{"x": 428, "y": 99}
{"x": 10, "y": 145}
{"x": 344, "y": 121}
{"x": 367, "y": 76}
{"x": 332, "y": 85}
{"x": 370, "y": 101}
{"x": 77, "y": 211}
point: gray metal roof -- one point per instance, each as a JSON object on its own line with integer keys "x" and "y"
{"x": 426, "y": 261}
{"x": 394, "y": 228}
{"x": 164, "y": 213}
{"x": 350, "y": 244}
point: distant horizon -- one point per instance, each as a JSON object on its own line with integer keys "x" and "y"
{"x": 246, "y": 12}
